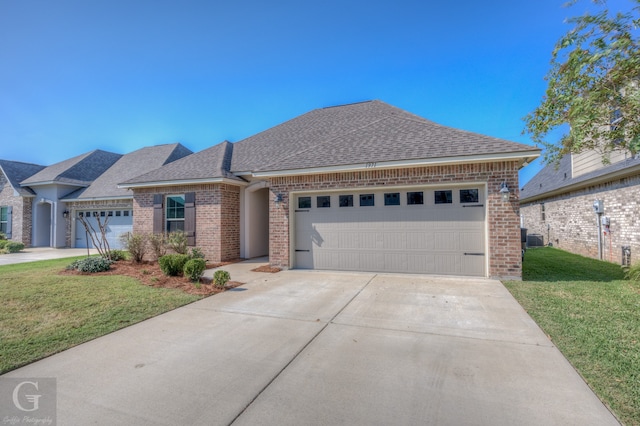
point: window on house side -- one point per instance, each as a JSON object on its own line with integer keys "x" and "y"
{"x": 4, "y": 219}
{"x": 175, "y": 213}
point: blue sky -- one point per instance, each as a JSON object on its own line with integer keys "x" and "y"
{"x": 119, "y": 75}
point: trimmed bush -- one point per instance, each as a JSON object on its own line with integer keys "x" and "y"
{"x": 2, "y": 236}
{"x": 177, "y": 241}
{"x": 158, "y": 245}
{"x": 194, "y": 268}
{"x": 136, "y": 244}
{"x": 3, "y": 243}
{"x": 116, "y": 255}
{"x": 13, "y": 246}
{"x": 221, "y": 278}
{"x": 173, "y": 264}
{"x": 196, "y": 253}
{"x": 91, "y": 264}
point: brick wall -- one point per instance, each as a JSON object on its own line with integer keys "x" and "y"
{"x": 570, "y": 222}
{"x": 22, "y": 212}
{"x": 217, "y": 217}
{"x": 503, "y": 217}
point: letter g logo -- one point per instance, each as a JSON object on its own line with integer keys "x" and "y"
{"x": 33, "y": 399}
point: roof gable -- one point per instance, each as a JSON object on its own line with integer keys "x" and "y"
{"x": 128, "y": 166}
{"x": 16, "y": 172}
{"x": 79, "y": 171}
{"x": 209, "y": 164}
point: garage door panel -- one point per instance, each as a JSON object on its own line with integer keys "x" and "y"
{"x": 118, "y": 224}
{"x": 423, "y": 238}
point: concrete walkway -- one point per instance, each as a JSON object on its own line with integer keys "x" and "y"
{"x": 34, "y": 254}
{"x": 322, "y": 348}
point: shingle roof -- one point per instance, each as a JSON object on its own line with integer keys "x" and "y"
{"x": 16, "y": 172}
{"x": 211, "y": 163}
{"x": 80, "y": 170}
{"x": 370, "y": 131}
{"x": 553, "y": 178}
{"x": 129, "y": 166}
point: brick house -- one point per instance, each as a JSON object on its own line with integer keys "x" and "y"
{"x": 557, "y": 205}
{"x": 16, "y": 201}
{"x": 39, "y": 206}
{"x": 363, "y": 186}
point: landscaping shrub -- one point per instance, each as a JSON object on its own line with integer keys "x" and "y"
{"x": 136, "y": 244}
{"x": 3, "y": 243}
{"x": 633, "y": 273}
{"x": 196, "y": 253}
{"x": 116, "y": 255}
{"x": 194, "y": 268}
{"x": 158, "y": 245}
{"x": 173, "y": 264}
{"x": 11, "y": 246}
{"x": 177, "y": 241}
{"x": 91, "y": 264}
{"x": 221, "y": 278}
{"x": 2, "y": 236}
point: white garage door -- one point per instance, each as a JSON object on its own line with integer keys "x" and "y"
{"x": 417, "y": 230}
{"x": 119, "y": 222}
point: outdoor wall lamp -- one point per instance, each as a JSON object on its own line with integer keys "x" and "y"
{"x": 504, "y": 191}
{"x": 278, "y": 200}
{"x": 65, "y": 214}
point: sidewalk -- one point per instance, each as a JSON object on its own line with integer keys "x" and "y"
{"x": 33, "y": 254}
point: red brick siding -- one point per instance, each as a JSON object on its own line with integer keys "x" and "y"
{"x": 21, "y": 223}
{"x": 503, "y": 217}
{"x": 217, "y": 217}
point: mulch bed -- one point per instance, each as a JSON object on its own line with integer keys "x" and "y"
{"x": 150, "y": 274}
{"x": 267, "y": 268}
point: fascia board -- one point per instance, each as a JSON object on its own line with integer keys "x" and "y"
{"x": 484, "y": 158}
{"x": 582, "y": 184}
{"x": 181, "y": 182}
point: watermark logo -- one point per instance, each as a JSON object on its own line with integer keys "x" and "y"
{"x": 28, "y": 401}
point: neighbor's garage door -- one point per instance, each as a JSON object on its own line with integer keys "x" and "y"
{"x": 119, "y": 222}
{"x": 418, "y": 230}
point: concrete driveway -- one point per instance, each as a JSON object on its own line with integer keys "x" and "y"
{"x": 320, "y": 348}
{"x": 33, "y": 254}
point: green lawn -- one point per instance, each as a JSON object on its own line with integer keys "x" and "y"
{"x": 43, "y": 312}
{"x": 592, "y": 314}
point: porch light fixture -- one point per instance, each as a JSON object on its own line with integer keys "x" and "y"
{"x": 278, "y": 200}
{"x": 504, "y": 191}
{"x": 65, "y": 214}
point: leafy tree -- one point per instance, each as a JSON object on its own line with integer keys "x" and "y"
{"x": 593, "y": 86}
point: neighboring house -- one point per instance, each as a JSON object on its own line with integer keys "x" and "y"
{"x": 40, "y": 205}
{"x": 16, "y": 201}
{"x": 54, "y": 183}
{"x": 104, "y": 200}
{"x": 363, "y": 187}
{"x": 557, "y": 204}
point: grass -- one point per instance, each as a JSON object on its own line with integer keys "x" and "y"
{"x": 592, "y": 314}
{"x": 44, "y": 313}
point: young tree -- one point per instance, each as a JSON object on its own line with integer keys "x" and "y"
{"x": 98, "y": 236}
{"x": 593, "y": 86}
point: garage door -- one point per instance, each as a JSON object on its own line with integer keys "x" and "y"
{"x": 416, "y": 230}
{"x": 119, "y": 222}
